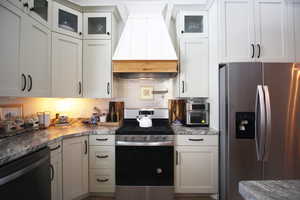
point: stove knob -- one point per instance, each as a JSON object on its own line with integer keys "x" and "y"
{"x": 159, "y": 171}
{"x": 145, "y": 138}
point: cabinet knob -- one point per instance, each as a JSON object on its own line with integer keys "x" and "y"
{"x": 25, "y": 5}
{"x": 80, "y": 33}
{"x": 182, "y": 32}
{"x": 32, "y": 9}
{"x": 108, "y": 33}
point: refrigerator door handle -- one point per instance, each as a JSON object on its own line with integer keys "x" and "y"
{"x": 267, "y": 143}
{"x": 259, "y": 124}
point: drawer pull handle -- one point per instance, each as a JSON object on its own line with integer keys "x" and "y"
{"x": 196, "y": 140}
{"x": 106, "y": 156}
{"x": 102, "y": 180}
{"x": 55, "y": 148}
{"x": 105, "y": 139}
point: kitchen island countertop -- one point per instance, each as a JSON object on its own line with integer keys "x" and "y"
{"x": 270, "y": 190}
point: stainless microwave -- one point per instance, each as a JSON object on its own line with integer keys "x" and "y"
{"x": 197, "y": 114}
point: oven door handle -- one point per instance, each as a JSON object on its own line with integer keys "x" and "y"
{"x": 126, "y": 143}
{"x": 22, "y": 172}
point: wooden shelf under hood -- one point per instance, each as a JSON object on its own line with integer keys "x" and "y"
{"x": 145, "y": 66}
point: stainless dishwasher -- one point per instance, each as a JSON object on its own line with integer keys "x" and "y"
{"x": 28, "y": 177}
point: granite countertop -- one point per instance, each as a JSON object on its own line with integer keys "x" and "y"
{"x": 183, "y": 130}
{"x": 270, "y": 190}
{"x": 14, "y": 147}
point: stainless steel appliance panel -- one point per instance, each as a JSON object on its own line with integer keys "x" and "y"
{"x": 238, "y": 155}
{"x": 282, "y": 155}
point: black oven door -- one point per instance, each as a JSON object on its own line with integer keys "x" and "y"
{"x": 145, "y": 165}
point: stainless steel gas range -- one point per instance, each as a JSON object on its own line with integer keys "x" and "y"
{"x": 145, "y": 161}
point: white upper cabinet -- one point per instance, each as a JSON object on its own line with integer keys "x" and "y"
{"x": 40, "y": 10}
{"x": 21, "y": 4}
{"x": 256, "y": 31}
{"x": 193, "y": 67}
{"x": 297, "y": 30}
{"x": 97, "y": 73}
{"x": 272, "y": 32}
{"x": 37, "y": 59}
{"x": 66, "y": 20}
{"x": 66, "y": 66}
{"x": 97, "y": 26}
{"x": 11, "y": 21}
{"x": 192, "y": 23}
{"x": 238, "y": 31}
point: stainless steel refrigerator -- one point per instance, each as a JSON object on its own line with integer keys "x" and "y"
{"x": 259, "y": 124}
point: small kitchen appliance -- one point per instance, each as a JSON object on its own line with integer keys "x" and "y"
{"x": 144, "y": 118}
{"x": 145, "y": 158}
{"x": 197, "y": 113}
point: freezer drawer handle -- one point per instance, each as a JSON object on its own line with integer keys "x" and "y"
{"x": 102, "y": 180}
{"x": 196, "y": 140}
{"x": 106, "y": 156}
{"x": 259, "y": 122}
{"x": 267, "y": 142}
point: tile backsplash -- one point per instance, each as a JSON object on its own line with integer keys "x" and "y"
{"x": 129, "y": 91}
{"x": 73, "y": 107}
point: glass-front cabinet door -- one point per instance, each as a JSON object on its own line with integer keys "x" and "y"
{"x": 40, "y": 10}
{"x": 67, "y": 21}
{"x": 97, "y": 25}
{"x": 193, "y": 24}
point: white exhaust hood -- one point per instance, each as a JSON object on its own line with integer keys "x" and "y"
{"x": 145, "y": 46}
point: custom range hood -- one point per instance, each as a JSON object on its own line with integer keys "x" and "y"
{"x": 145, "y": 49}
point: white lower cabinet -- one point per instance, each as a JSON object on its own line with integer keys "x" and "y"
{"x": 102, "y": 180}
{"x": 102, "y": 164}
{"x": 196, "y": 168}
{"x": 56, "y": 173}
{"x": 75, "y": 167}
{"x": 66, "y": 66}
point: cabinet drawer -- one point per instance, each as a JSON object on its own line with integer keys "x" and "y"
{"x": 102, "y": 157}
{"x": 102, "y": 180}
{"x": 197, "y": 140}
{"x": 102, "y": 140}
{"x": 55, "y": 148}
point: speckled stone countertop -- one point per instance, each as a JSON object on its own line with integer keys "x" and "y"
{"x": 183, "y": 130}
{"x": 270, "y": 190}
{"x": 12, "y": 148}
